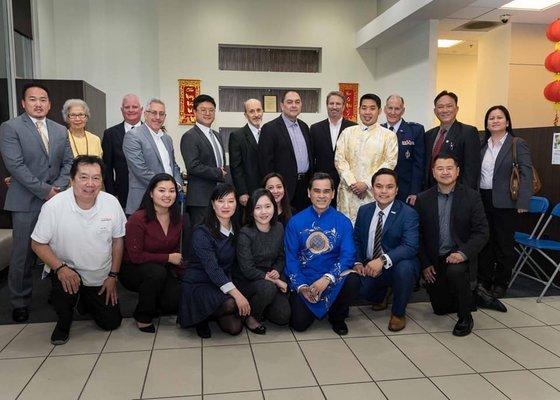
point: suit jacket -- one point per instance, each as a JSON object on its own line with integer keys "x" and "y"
{"x": 502, "y": 173}
{"x": 243, "y": 161}
{"x": 322, "y": 147}
{"x": 33, "y": 171}
{"x": 469, "y": 227}
{"x": 116, "y": 169}
{"x": 463, "y": 142}
{"x": 144, "y": 161}
{"x": 410, "y": 167}
{"x": 400, "y": 232}
{"x": 202, "y": 170}
{"x": 276, "y": 153}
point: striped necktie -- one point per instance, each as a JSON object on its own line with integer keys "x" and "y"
{"x": 378, "y": 234}
{"x": 43, "y": 133}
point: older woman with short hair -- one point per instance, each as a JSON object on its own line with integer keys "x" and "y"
{"x": 75, "y": 113}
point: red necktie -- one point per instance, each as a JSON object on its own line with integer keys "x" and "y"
{"x": 439, "y": 143}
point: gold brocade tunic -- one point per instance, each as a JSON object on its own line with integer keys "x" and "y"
{"x": 90, "y": 144}
{"x": 360, "y": 152}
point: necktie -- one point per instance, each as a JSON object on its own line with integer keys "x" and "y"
{"x": 43, "y": 133}
{"x": 392, "y": 128}
{"x": 439, "y": 143}
{"x": 258, "y": 135}
{"x": 378, "y": 234}
{"x": 216, "y": 146}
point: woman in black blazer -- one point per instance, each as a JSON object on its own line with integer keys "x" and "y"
{"x": 497, "y": 258}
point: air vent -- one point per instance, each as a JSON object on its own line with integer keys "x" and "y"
{"x": 479, "y": 26}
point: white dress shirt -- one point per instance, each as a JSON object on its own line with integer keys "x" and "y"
{"x": 372, "y": 228}
{"x": 334, "y": 128}
{"x": 128, "y": 126}
{"x": 396, "y": 126}
{"x": 44, "y": 120}
{"x": 255, "y": 131}
{"x": 162, "y": 150}
{"x": 489, "y": 161}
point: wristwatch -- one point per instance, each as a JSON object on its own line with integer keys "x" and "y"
{"x": 59, "y": 268}
{"x": 384, "y": 259}
{"x": 113, "y": 275}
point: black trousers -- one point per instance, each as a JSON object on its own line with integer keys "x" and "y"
{"x": 157, "y": 287}
{"x": 106, "y": 316}
{"x": 302, "y": 317}
{"x": 300, "y": 200}
{"x": 196, "y": 214}
{"x": 266, "y": 301}
{"x": 451, "y": 291}
{"x": 497, "y": 258}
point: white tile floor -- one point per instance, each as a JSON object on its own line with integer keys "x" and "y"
{"x": 508, "y": 356}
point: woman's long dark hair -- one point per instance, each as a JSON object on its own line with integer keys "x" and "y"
{"x": 211, "y": 219}
{"x": 148, "y": 203}
{"x": 285, "y": 203}
{"x": 257, "y": 194}
{"x": 509, "y": 127}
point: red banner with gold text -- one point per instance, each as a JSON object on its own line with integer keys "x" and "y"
{"x": 188, "y": 90}
{"x": 350, "y": 91}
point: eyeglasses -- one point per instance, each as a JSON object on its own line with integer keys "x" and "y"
{"x": 206, "y": 110}
{"x": 85, "y": 178}
{"x": 74, "y": 116}
{"x": 154, "y": 113}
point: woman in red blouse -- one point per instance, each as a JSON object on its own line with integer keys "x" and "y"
{"x": 152, "y": 259}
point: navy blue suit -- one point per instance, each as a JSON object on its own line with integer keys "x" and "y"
{"x": 410, "y": 165}
{"x": 400, "y": 243}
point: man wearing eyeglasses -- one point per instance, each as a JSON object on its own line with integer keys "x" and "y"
{"x": 205, "y": 158}
{"x": 148, "y": 151}
{"x": 37, "y": 155}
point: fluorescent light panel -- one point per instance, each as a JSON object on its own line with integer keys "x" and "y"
{"x": 530, "y": 5}
{"x": 445, "y": 43}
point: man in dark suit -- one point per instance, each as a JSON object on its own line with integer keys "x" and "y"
{"x": 386, "y": 237}
{"x": 37, "y": 155}
{"x": 410, "y": 165}
{"x": 116, "y": 170}
{"x": 285, "y": 148}
{"x": 148, "y": 151}
{"x": 453, "y": 230}
{"x": 455, "y": 138}
{"x": 204, "y": 158}
{"x": 243, "y": 154}
{"x": 324, "y": 135}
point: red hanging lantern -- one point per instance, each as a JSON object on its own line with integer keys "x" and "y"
{"x": 552, "y": 92}
{"x": 553, "y": 31}
{"x": 552, "y": 62}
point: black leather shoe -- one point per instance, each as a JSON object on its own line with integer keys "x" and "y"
{"x": 259, "y": 330}
{"x": 59, "y": 336}
{"x": 464, "y": 326}
{"x": 486, "y": 299}
{"x": 340, "y": 328}
{"x": 500, "y": 292}
{"x": 20, "y": 314}
{"x": 203, "y": 330}
{"x": 148, "y": 328}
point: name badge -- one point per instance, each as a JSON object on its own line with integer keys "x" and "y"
{"x": 407, "y": 142}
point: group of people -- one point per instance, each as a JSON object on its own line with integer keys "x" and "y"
{"x": 301, "y": 223}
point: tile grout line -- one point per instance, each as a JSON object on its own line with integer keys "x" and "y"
{"x": 16, "y": 335}
{"x": 94, "y": 365}
{"x": 308, "y": 364}
{"x": 35, "y": 373}
{"x": 149, "y": 358}
{"x": 254, "y": 361}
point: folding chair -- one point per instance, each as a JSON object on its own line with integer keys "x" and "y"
{"x": 541, "y": 246}
{"x": 537, "y": 205}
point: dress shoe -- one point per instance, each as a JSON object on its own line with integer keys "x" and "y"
{"x": 148, "y": 328}
{"x": 486, "y": 299}
{"x": 500, "y": 291}
{"x": 20, "y": 314}
{"x": 383, "y": 305}
{"x": 259, "y": 330}
{"x": 397, "y": 323}
{"x": 340, "y": 328}
{"x": 59, "y": 336}
{"x": 464, "y": 326}
{"x": 203, "y": 330}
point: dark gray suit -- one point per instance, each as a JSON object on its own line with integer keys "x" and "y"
{"x": 203, "y": 173}
{"x": 34, "y": 173}
{"x": 144, "y": 161}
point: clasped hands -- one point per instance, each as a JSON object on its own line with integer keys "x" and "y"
{"x": 312, "y": 293}
{"x": 359, "y": 189}
{"x": 429, "y": 273}
{"x": 373, "y": 268}
{"x": 274, "y": 277}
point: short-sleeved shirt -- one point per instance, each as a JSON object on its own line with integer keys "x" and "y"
{"x": 83, "y": 239}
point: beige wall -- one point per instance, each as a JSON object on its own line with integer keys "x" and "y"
{"x": 457, "y": 73}
{"x": 528, "y": 76}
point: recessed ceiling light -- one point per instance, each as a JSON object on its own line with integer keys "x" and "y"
{"x": 530, "y": 5}
{"x": 444, "y": 43}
